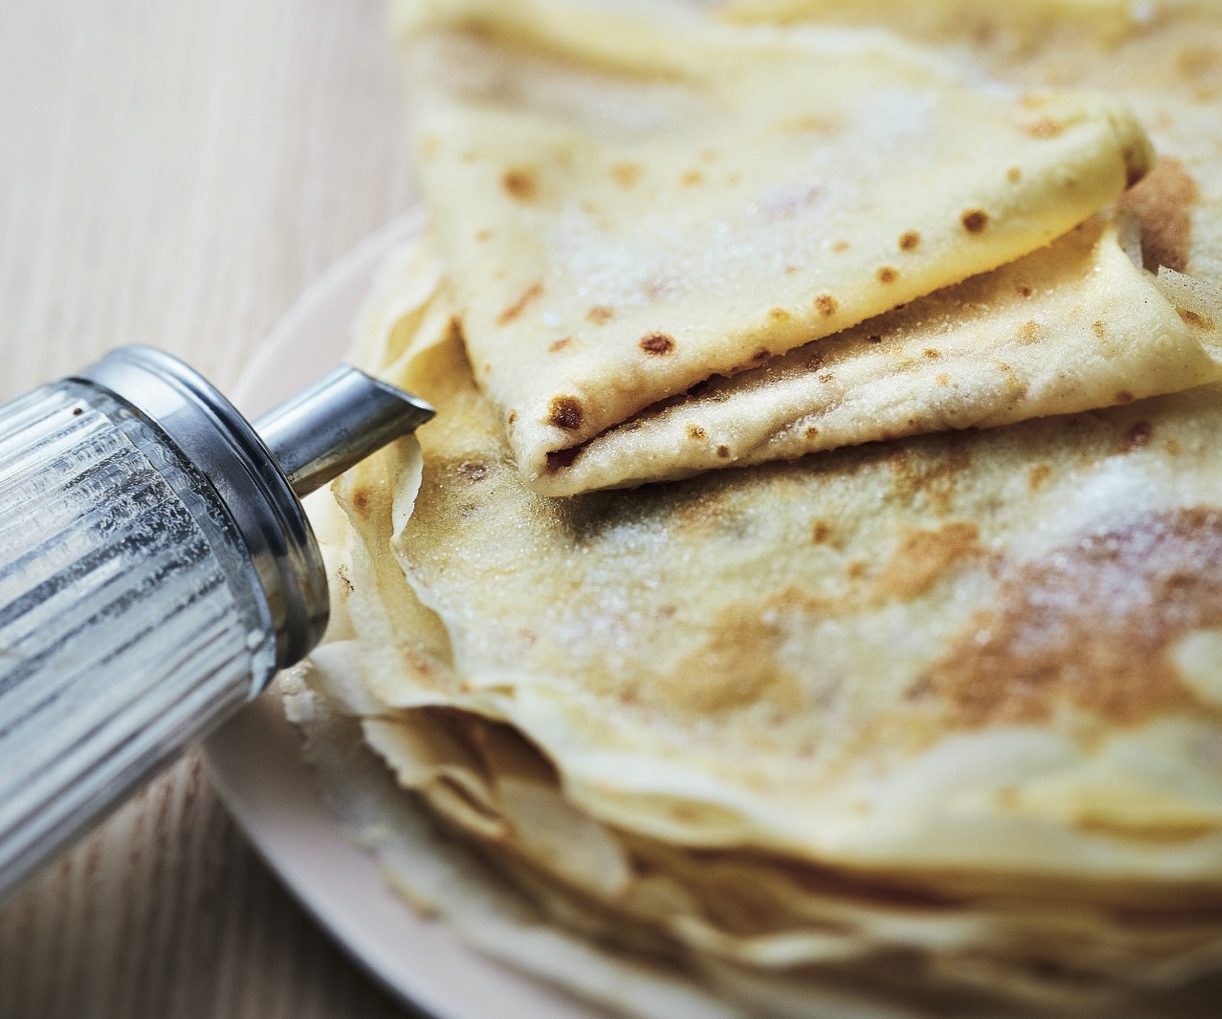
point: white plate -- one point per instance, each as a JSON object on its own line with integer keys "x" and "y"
{"x": 255, "y": 759}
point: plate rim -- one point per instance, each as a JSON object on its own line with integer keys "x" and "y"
{"x": 254, "y": 760}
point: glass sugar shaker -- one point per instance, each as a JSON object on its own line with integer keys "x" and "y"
{"x": 156, "y": 570}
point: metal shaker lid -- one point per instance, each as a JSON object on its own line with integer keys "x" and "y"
{"x": 261, "y": 471}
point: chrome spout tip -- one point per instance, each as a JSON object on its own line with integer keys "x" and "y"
{"x": 320, "y": 432}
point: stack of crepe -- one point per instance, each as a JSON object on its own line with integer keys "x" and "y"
{"x": 808, "y": 599}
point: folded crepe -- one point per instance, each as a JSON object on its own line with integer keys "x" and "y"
{"x": 1024, "y": 613}
{"x": 632, "y": 206}
{"x": 928, "y": 727}
{"x": 1074, "y": 326}
{"x": 902, "y": 731}
{"x": 1164, "y": 60}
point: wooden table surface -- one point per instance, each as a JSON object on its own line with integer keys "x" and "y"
{"x": 175, "y": 173}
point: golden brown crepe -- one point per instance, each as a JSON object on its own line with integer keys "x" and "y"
{"x": 925, "y": 727}
{"x": 1074, "y": 326}
{"x": 741, "y": 606}
{"x": 628, "y": 205}
{"x": 1163, "y": 58}
{"x": 804, "y": 657}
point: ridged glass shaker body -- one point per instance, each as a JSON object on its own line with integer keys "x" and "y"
{"x": 131, "y": 618}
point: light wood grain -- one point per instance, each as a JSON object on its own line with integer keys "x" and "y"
{"x": 175, "y": 174}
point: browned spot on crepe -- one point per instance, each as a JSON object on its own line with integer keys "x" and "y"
{"x": 974, "y": 220}
{"x": 1162, "y": 204}
{"x": 1029, "y": 332}
{"x": 814, "y": 124}
{"x": 626, "y": 174}
{"x": 826, "y": 305}
{"x": 1045, "y": 128}
{"x": 1089, "y": 625}
{"x": 923, "y": 557}
{"x": 1201, "y": 66}
{"x": 507, "y": 315}
{"x": 737, "y": 666}
{"x": 565, "y": 412}
{"x": 521, "y": 184}
{"x": 932, "y": 480}
{"x": 657, "y": 344}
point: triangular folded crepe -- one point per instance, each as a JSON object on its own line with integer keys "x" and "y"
{"x": 1163, "y": 59}
{"x": 628, "y": 206}
{"x": 1072, "y": 327}
{"x": 960, "y": 685}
